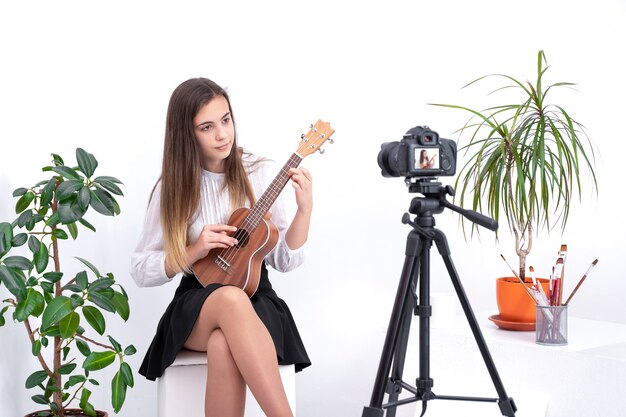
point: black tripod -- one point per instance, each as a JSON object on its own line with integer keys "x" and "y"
{"x": 417, "y": 269}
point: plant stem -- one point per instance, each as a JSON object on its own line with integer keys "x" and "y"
{"x": 31, "y": 336}
{"x": 57, "y": 395}
{"x": 94, "y": 342}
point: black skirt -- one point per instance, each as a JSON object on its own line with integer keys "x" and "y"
{"x": 181, "y": 314}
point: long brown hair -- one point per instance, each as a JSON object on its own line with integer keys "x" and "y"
{"x": 181, "y": 173}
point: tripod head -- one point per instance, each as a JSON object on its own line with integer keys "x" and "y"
{"x": 434, "y": 201}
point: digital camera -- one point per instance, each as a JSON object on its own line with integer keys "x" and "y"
{"x": 420, "y": 153}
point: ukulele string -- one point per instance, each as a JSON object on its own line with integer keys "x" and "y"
{"x": 253, "y": 219}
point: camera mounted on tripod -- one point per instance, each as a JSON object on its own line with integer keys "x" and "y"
{"x": 421, "y": 153}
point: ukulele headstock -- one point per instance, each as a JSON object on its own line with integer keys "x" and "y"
{"x": 313, "y": 140}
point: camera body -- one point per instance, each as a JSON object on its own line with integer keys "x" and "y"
{"x": 420, "y": 153}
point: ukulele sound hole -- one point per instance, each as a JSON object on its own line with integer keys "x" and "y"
{"x": 243, "y": 237}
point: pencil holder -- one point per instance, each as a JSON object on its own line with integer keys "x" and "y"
{"x": 551, "y": 325}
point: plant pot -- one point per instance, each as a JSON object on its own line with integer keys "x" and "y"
{"x": 69, "y": 412}
{"x": 514, "y": 303}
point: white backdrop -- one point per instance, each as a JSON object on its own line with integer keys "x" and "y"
{"x": 100, "y": 76}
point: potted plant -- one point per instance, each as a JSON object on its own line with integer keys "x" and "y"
{"x": 60, "y": 310}
{"x": 525, "y": 161}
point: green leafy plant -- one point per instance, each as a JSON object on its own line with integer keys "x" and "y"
{"x": 524, "y": 159}
{"x": 53, "y": 306}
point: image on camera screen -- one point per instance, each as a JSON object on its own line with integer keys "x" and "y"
{"x": 426, "y": 158}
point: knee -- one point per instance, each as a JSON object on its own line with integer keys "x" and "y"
{"x": 232, "y": 299}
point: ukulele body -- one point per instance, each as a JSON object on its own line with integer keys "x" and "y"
{"x": 239, "y": 265}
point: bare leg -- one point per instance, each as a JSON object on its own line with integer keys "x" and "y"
{"x": 225, "y": 388}
{"x": 229, "y": 310}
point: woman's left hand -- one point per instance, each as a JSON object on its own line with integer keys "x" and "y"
{"x": 302, "y": 182}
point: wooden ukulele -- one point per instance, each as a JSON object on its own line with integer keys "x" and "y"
{"x": 240, "y": 265}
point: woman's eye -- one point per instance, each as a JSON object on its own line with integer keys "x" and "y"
{"x": 226, "y": 120}
{"x": 206, "y": 128}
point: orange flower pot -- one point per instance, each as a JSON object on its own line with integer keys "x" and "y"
{"x": 514, "y": 303}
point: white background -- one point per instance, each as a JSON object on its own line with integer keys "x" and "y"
{"x": 78, "y": 74}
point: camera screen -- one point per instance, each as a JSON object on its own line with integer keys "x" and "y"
{"x": 426, "y": 158}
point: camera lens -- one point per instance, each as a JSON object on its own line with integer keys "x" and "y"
{"x": 388, "y": 159}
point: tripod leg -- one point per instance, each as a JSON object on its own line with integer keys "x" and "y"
{"x": 394, "y": 389}
{"x": 413, "y": 248}
{"x": 506, "y": 404}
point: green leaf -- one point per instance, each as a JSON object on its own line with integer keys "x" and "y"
{"x": 40, "y": 399}
{"x": 25, "y": 218}
{"x": 84, "y": 403}
{"x": 84, "y": 197}
{"x": 70, "y": 211}
{"x": 87, "y": 224}
{"x": 73, "y": 230}
{"x": 54, "y": 219}
{"x": 67, "y": 172}
{"x": 6, "y": 236}
{"x": 18, "y": 262}
{"x": 59, "y": 234}
{"x": 83, "y": 347}
{"x": 14, "y": 280}
{"x": 57, "y": 160}
{"x": 35, "y": 379}
{"x": 20, "y": 192}
{"x": 53, "y": 276}
{"x": 118, "y": 391}
{"x": 67, "y": 368}
{"x": 102, "y": 202}
{"x": 99, "y": 360}
{"x": 108, "y": 185}
{"x": 100, "y": 284}
{"x": 47, "y": 193}
{"x": 31, "y": 304}
{"x": 75, "y": 380}
{"x": 130, "y": 350}
{"x": 89, "y": 265}
{"x": 19, "y": 240}
{"x": 69, "y": 324}
{"x": 67, "y": 189}
{"x": 109, "y": 179}
{"x": 127, "y": 374}
{"x": 81, "y": 280}
{"x": 95, "y": 319}
{"x": 33, "y": 244}
{"x": 24, "y": 201}
{"x": 86, "y": 161}
{"x": 36, "y": 347}
{"x": 101, "y": 301}
{"x": 56, "y": 310}
{"x": 48, "y": 288}
{"x": 121, "y": 305}
{"x": 77, "y": 300}
{"x": 41, "y": 258}
{"x": 116, "y": 345}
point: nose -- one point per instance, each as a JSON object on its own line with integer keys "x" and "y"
{"x": 220, "y": 133}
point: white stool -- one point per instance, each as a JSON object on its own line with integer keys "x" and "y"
{"x": 181, "y": 389}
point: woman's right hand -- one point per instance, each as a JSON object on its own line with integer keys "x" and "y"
{"x": 212, "y": 236}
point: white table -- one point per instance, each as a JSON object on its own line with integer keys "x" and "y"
{"x": 585, "y": 378}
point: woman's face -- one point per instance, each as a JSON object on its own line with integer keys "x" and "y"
{"x": 213, "y": 126}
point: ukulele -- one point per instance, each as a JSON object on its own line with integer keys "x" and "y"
{"x": 256, "y": 235}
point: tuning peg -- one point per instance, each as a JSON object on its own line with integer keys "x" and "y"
{"x": 321, "y": 150}
{"x": 331, "y": 141}
{"x": 304, "y": 138}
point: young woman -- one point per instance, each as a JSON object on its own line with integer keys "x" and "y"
{"x": 205, "y": 176}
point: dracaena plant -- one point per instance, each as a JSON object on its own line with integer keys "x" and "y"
{"x": 524, "y": 159}
{"x": 60, "y": 311}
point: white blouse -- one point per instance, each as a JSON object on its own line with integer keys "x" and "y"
{"x": 148, "y": 259}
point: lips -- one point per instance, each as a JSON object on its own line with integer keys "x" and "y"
{"x": 223, "y": 147}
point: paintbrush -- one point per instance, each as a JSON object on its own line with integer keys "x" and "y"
{"x": 530, "y": 294}
{"x": 581, "y": 281}
{"x": 542, "y": 298}
{"x": 563, "y": 255}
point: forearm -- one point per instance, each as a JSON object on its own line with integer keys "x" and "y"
{"x": 298, "y": 231}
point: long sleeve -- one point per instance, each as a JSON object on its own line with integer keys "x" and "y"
{"x": 148, "y": 259}
{"x": 282, "y": 258}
